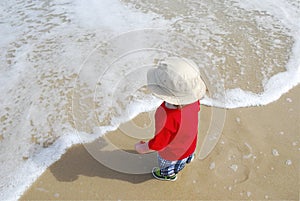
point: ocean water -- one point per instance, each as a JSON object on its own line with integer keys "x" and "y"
{"x": 73, "y": 70}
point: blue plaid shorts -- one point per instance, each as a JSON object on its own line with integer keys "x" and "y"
{"x": 172, "y": 167}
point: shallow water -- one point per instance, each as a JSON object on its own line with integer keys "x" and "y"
{"x": 70, "y": 68}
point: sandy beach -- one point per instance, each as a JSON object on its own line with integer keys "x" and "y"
{"x": 257, "y": 158}
{"x": 72, "y": 71}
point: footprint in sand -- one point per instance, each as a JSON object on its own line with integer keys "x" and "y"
{"x": 232, "y": 163}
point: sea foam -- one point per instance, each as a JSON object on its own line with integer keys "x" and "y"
{"x": 44, "y": 44}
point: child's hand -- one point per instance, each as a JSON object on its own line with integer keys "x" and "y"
{"x": 142, "y": 147}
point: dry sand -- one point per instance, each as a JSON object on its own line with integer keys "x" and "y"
{"x": 256, "y": 158}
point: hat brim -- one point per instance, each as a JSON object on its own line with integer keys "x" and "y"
{"x": 174, "y": 97}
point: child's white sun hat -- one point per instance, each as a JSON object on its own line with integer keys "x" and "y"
{"x": 176, "y": 81}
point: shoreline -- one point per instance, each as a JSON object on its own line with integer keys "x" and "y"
{"x": 257, "y": 157}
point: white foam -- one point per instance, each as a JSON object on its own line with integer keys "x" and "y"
{"x": 34, "y": 110}
{"x": 275, "y": 152}
{"x": 110, "y": 15}
{"x": 288, "y": 162}
{"x": 5, "y": 34}
{"x": 280, "y": 83}
{"x": 282, "y": 10}
{"x": 32, "y": 102}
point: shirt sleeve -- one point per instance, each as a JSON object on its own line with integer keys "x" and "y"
{"x": 163, "y": 136}
{"x": 160, "y": 140}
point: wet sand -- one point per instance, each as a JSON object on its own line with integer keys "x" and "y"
{"x": 257, "y": 158}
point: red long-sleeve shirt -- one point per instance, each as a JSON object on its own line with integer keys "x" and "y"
{"x": 176, "y": 131}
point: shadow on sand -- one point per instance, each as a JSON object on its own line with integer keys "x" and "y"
{"x": 78, "y": 161}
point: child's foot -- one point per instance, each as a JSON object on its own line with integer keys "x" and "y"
{"x": 190, "y": 159}
{"x": 157, "y": 174}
